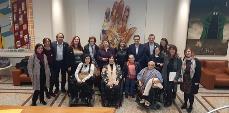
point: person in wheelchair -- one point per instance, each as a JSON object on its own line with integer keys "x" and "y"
{"x": 111, "y": 84}
{"x": 84, "y": 81}
{"x": 149, "y": 80}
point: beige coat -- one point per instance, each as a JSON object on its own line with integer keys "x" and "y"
{"x": 34, "y": 71}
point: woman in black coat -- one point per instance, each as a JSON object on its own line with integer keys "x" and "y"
{"x": 122, "y": 54}
{"x": 48, "y": 51}
{"x": 75, "y": 55}
{"x": 191, "y": 73}
{"x": 171, "y": 67}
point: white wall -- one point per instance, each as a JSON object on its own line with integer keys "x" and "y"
{"x": 159, "y": 20}
{"x": 155, "y": 18}
{"x": 42, "y": 13}
{"x": 77, "y": 19}
{"x": 164, "y": 18}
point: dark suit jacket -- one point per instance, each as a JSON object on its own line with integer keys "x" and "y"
{"x": 140, "y": 57}
{"x": 147, "y": 48}
{"x": 65, "y": 50}
{"x": 86, "y": 50}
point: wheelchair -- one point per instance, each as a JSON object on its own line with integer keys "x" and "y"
{"x": 81, "y": 94}
{"x": 155, "y": 97}
{"x": 112, "y": 97}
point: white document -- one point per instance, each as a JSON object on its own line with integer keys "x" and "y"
{"x": 172, "y": 76}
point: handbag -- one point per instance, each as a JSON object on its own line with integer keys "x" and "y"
{"x": 82, "y": 75}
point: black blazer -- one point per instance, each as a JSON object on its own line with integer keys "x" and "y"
{"x": 86, "y": 50}
{"x": 140, "y": 57}
{"x": 65, "y": 50}
{"x": 71, "y": 61}
{"x": 196, "y": 77}
{"x": 147, "y": 48}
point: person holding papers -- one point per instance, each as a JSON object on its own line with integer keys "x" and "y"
{"x": 171, "y": 73}
{"x": 191, "y": 73}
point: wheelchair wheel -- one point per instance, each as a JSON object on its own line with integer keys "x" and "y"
{"x": 92, "y": 101}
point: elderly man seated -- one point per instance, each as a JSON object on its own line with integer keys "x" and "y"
{"x": 148, "y": 79}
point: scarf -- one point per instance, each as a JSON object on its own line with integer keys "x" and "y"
{"x": 192, "y": 68}
{"x": 40, "y": 57}
{"x": 111, "y": 73}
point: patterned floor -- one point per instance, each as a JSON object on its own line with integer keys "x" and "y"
{"x": 205, "y": 100}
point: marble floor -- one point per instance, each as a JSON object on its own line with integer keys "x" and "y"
{"x": 205, "y": 100}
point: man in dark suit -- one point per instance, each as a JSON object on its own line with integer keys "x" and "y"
{"x": 137, "y": 49}
{"x": 150, "y": 46}
{"x": 92, "y": 49}
{"x": 60, "y": 50}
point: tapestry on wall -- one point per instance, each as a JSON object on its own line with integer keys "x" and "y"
{"x": 14, "y": 24}
{"x": 20, "y": 23}
{"x": 117, "y": 20}
{"x": 208, "y": 27}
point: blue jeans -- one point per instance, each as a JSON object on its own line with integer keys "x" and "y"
{"x": 130, "y": 86}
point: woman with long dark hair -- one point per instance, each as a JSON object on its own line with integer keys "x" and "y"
{"x": 75, "y": 55}
{"x": 164, "y": 46}
{"x": 111, "y": 84}
{"x": 122, "y": 54}
{"x": 83, "y": 75}
{"x": 171, "y": 72}
{"x": 191, "y": 73}
{"x": 39, "y": 71}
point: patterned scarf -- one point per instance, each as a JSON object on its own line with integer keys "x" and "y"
{"x": 192, "y": 69}
{"x": 40, "y": 57}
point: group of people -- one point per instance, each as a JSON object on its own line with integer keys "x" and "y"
{"x": 142, "y": 70}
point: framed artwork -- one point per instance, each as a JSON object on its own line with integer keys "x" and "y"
{"x": 208, "y": 27}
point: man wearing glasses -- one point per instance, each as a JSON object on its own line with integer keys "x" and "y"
{"x": 137, "y": 49}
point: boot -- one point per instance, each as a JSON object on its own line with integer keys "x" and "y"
{"x": 189, "y": 110}
{"x": 33, "y": 103}
{"x": 43, "y": 102}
